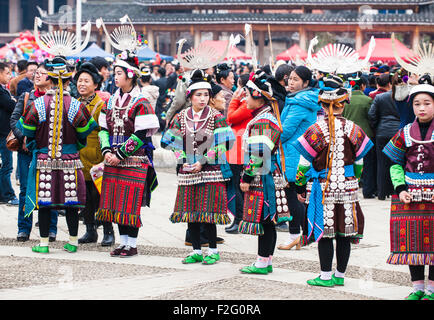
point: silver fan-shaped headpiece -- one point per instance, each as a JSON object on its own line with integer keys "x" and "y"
{"x": 61, "y": 42}
{"x": 123, "y": 37}
{"x": 201, "y": 57}
{"x": 421, "y": 62}
{"x": 338, "y": 58}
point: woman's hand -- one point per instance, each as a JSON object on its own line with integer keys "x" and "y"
{"x": 239, "y": 94}
{"x": 301, "y": 197}
{"x": 405, "y": 197}
{"x": 244, "y": 186}
{"x": 111, "y": 159}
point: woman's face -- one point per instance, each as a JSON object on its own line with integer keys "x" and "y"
{"x": 200, "y": 99}
{"x": 219, "y": 101}
{"x": 85, "y": 85}
{"x": 121, "y": 79}
{"x": 253, "y": 103}
{"x": 41, "y": 78}
{"x": 229, "y": 81}
{"x": 295, "y": 83}
{"x": 423, "y": 107}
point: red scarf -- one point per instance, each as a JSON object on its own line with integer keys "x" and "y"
{"x": 39, "y": 94}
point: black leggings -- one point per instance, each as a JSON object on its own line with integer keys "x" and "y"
{"x": 131, "y": 232}
{"x": 267, "y": 241}
{"x": 326, "y": 252}
{"x": 92, "y": 203}
{"x": 296, "y": 208}
{"x": 210, "y": 230}
{"x": 418, "y": 273}
{"x": 44, "y": 217}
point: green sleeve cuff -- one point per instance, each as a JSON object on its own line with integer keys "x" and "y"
{"x": 104, "y": 140}
{"x": 358, "y": 169}
{"x": 397, "y": 175}
{"x": 300, "y": 178}
{"x": 130, "y": 146}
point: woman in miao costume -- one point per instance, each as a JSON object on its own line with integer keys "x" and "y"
{"x": 88, "y": 80}
{"x": 127, "y": 124}
{"x": 412, "y": 208}
{"x": 262, "y": 181}
{"x": 56, "y": 126}
{"x": 199, "y": 137}
{"x": 331, "y": 164}
{"x": 330, "y": 167}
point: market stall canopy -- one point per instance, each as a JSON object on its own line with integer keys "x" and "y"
{"x": 92, "y": 51}
{"x": 23, "y": 47}
{"x": 220, "y": 46}
{"x": 293, "y": 53}
{"x": 383, "y": 50}
{"x": 147, "y": 54}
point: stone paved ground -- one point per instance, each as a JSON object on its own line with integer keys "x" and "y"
{"x": 158, "y": 274}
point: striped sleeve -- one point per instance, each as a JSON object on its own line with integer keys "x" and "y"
{"x": 395, "y": 149}
{"x": 263, "y": 138}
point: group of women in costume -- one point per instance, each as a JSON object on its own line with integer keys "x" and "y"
{"x": 327, "y": 178}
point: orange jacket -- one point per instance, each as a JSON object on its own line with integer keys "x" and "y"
{"x": 238, "y": 118}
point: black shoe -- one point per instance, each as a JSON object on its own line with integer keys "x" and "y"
{"x": 23, "y": 237}
{"x": 51, "y": 237}
{"x": 381, "y": 197}
{"x": 220, "y": 240}
{"x": 91, "y": 236}
{"x": 369, "y": 196}
{"x": 109, "y": 235}
{"x": 233, "y": 228}
{"x": 203, "y": 242}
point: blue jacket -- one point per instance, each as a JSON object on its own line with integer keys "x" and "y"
{"x": 299, "y": 113}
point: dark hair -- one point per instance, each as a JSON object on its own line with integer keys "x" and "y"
{"x": 22, "y": 65}
{"x": 222, "y": 72}
{"x": 99, "y": 63}
{"x": 58, "y": 60}
{"x": 282, "y": 71}
{"x": 383, "y": 80}
{"x": 244, "y": 78}
{"x": 199, "y": 76}
{"x": 304, "y": 73}
{"x": 162, "y": 72}
{"x": 90, "y": 69}
{"x": 34, "y": 63}
{"x": 3, "y": 66}
{"x": 267, "y": 69}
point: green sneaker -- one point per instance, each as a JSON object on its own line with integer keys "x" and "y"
{"x": 210, "y": 259}
{"x": 193, "y": 258}
{"x": 253, "y": 269}
{"x": 337, "y": 281}
{"x": 428, "y": 296}
{"x": 320, "y": 283}
{"x": 70, "y": 248}
{"x": 270, "y": 269}
{"x": 418, "y": 295}
{"x": 40, "y": 249}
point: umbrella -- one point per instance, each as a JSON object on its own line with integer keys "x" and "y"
{"x": 292, "y": 53}
{"x": 147, "y": 54}
{"x": 383, "y": 50}
{"x": 92, "y": 51}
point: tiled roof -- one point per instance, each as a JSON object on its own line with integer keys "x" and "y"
{"x": 139, "y": 14}
{"x": 284, "y": 2}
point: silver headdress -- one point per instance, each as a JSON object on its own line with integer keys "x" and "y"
{"x": 124, "y": 39}
{"x": 422, "y": 61}
{"x": 338, "y": 58}
{"x": 201, "y": 57}
{"x": 60, "y": 43}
